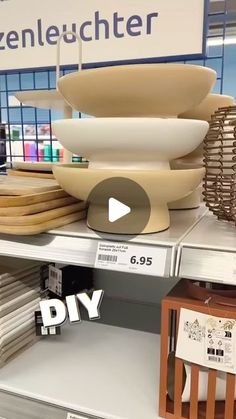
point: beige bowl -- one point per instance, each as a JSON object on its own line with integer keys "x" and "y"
{"x": 137, "y": 90}
{"x": 161, "y": 187}
{"x": 194, "y": 199}
{"x": 208, "y": 107}
{"x": 204, "y": 112}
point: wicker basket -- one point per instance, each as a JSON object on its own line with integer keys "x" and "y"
{"x": 220, "y": 163}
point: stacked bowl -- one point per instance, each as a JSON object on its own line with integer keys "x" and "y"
{"x": 135, "y": 135}
{"x": 203, "y": 112}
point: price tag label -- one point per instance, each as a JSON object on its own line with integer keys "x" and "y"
{"x": 131, "y": 258}
{"x": 207, "y": 340}
{"x": 55, "y": 280}
{"x": 220, "y": 343}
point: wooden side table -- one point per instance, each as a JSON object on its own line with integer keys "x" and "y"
{"x": 176, "y": 409}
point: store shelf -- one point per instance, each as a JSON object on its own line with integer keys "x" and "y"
{"x": 91, "y": 369}
{"x": 42, "y": 99}
{"x": 77, "y": 244}
{"x": 208, "y": 252}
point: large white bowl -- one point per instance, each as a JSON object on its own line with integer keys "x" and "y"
{"x": 137, "y": 90}
{"x": 131, "y": 143}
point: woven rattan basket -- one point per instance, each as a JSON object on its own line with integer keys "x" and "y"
{"x": 220, "y": 163}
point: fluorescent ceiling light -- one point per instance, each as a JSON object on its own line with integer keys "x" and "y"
{"x": 214, "y": 42}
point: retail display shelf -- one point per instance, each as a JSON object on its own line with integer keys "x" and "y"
{"x": 208, "y": 252}
{"x": 91, "y": 370}
{"x": 42, "y": 99}
{"x": 77, "y": 244}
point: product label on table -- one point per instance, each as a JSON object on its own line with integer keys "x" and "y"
{"x": 131, "y": 258}
{"x": 207, "y": 340}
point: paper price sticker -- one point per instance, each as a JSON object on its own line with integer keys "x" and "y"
{"x": 207, "y": 340}
{"x": 131, "y": 258}
{"x": 220, "y": 343}
{"x": 55, "y": 280}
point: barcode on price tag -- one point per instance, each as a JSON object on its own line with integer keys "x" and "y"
{"x": 125, "y": 257}
{"x": 215, "y": 359}
{"x": 107, "y": 258}
{"x": 55, "y": 280}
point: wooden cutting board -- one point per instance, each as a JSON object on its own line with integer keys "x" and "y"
{"x": 42, "y": 217}
{"x": 13, "y": 185}
{"x": 30, "y": 199}
{"x": 35, "y": 208}
{"x": 42, "y": 175}
{"x": 42, "y": 166}
{"x": 33, "y": 166}
{"x": 41, "y": 228}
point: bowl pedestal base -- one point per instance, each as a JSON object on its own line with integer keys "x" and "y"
{"x": 131, "y": 224}
{"x": 191, "y": 201}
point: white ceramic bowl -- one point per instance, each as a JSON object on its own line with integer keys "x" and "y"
{"x": 131, "y": 143}
{"x": 137, "y": 90}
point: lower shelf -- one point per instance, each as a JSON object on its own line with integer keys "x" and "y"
{"x": 92, "y": 370}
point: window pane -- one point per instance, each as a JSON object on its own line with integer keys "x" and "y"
{"x": 28, "y": 115}
{"x": 27, "y": 81}
{"x": 15, "y": 116}
{"x": 13, "y": 82}
{"x": 42, "y": 115}
{"x": 3, "y": 82}
{"x": 41, "y": 80}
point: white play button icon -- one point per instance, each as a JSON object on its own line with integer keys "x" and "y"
{"x": 117, "y": 210}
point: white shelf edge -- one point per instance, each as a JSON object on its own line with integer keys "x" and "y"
{"x": 77, "y": 245}
{"x": 208, "y": 252}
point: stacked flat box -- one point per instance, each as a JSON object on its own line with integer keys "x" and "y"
{"x": 20, "y": 294}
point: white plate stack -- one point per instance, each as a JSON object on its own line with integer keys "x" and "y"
{"x": 20, "y": 293}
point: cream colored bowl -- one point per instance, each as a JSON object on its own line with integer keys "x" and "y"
{"x": 161, "y": 187}
{"x": 204, "y": 112}
{"x": 130, "y": 143}
{"x": 208, "y": 107}
{"x": 137, "y": 90}
{"x": 194, "y": 199}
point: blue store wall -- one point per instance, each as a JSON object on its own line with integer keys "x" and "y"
{"x": 229, "y": 84}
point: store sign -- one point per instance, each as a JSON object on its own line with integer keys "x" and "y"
{"x": 110, "y": 30}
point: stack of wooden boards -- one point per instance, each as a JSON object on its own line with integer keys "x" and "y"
{"x": 38, "y": 169}
{"x": 20, "y": 294}
{"x": 32, "y": 206}
{"x": 32, "y": 169}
